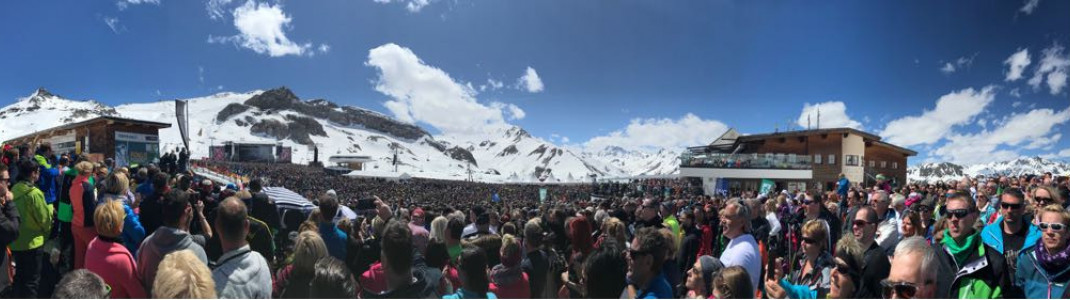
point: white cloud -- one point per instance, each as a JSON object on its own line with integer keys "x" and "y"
{"x": 413, "y": 6}
{"x": 1016, "y": 104}
{"x": 956, "y": 108}
{"x": 219, "y": 87}
{"x": 833, "y": 114}
{"x": 1055, "y": 65}
{"x": 158, "y": 93}
{"x": 515, "y": 113}
{"x": 1029, "y": 6}
{"x": 948, "y": 68}
{"x": 1016, "y": 64}
{"x": 530, "y": 81}
{"x": 424, "y": 93}
{"x": 491, "y": 84}
{"x": 324, "y": 48}
{"x": 112, "y": 23}
{"x": 958, "y": 64}
{"x": 123, "y": 4}
{"x": 260, "y": 27}
{"x": 650, "y": 134}
{"x": 1015, "y": 93}
{"x": 217, "y": 8}
{"x": 1032, "y": 130}
{"x": 200, "y": 74}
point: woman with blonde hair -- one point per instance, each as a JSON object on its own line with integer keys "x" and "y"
{"x": 181, "y": 275}
{"x": 291, "y": 282}
{"x": 732, "y": 283}
{"x": 810, "y": 280}
{"x": 116, "y": 187}
{"x": 438, "y": 229}
{"x": 613, "y": 229}
{"x": 107, "y": 257}
{"x": 507, "y": 279}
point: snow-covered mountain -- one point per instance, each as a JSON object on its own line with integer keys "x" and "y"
{"x": 508, "y": 154}
{"x": 934, "y": 172}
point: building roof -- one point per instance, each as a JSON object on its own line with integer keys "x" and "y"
{"x": 350, "y": 159}
{"x": 785, "y": 134}
{"x": 721, "y": 144}
{"x": 91, "y": 121}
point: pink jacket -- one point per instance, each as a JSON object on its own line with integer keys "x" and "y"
{"x": 110, "y": 259}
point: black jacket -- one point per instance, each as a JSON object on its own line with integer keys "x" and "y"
{"x": 536, "y": 264}
{"x": 876, "y": 269}
{"x": 9, "y": 223}
{"x": 992, "y": 269}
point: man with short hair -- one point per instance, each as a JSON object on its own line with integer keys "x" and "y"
{"x": 535, "y": 262}
{"x": 742, "y": 249}
{"x": 177, "y": 212}
{"x": 864, "y": 228}
{"x": 645, "y": 258}
{"x": 980, "y": 271}
{"x": 887, "y": 227}
{"x": 332, "y": 236}
{"x": 240, "y": 272}
{"x": 913, "y": 272}
{"x": 403, "y": 280}
{"x": 1011, "y": 233}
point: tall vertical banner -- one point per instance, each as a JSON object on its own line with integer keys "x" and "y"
{"x": 182, "y": 114}
{"x": 721, "y": 188}
{"x": 767, "y": 186}
{"x": 542, "y": 195}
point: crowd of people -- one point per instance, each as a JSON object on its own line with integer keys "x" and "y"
{"x": 77, "y": 228}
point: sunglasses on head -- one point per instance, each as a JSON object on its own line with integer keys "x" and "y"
{"x": 1053, "y": 226}
{"x": 1006, "y": 205}
{"x": 905, "y": 290}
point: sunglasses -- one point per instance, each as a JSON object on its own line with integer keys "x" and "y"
{"x": 1006, "y": 205}
{"x": 905, "y": 290}
{"x": 1043, "y": 201}
{"x": 1053, "y": 226}
{"x": 957, "y": 213}
{"x": 843, "y": 268}
{"x": 6, "y": 179}
{"x": 808, "y": 202}
{"x": 636, "y": 253}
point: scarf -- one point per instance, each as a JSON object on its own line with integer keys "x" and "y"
{"x": 501, "y": 275}
{"x": 455, "y": 252}
{"x": 961, "y": 252}
{"x": 1053, "y": 262}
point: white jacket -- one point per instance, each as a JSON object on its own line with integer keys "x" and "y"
{"x": 242, "y": 273}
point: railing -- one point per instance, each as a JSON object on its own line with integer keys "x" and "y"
{"x": 747, "y": 161}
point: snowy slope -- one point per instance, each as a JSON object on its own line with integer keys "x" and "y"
{"x": 507, "y": 154}
{"x": 942, "y": 172}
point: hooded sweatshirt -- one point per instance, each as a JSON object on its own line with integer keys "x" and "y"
{"x": 165, "y": 240}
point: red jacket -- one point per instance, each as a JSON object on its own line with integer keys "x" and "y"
{"x": 517, "y": 290}
{"x": 110, "y": 259}
{"x": 374, "y": 279}
{"x": 83, "y": 202}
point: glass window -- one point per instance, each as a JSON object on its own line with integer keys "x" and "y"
{"x": 791, "y": 158}
{"x": 852, "y": 160}
{"x": 817, "y": 159}
{"x": 832, "y": 159}
{"x": 872, "y": 163}
{"x": 895, "y": 165}
{"x": 884, "y": 164}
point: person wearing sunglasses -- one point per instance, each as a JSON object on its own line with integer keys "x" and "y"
{"x": 980, "y": 270}
{"x": 913, "y": 273}
{"x": 1045, "y": 195}
{"x": 1044, "y": 270}
{"x": 9, "y": 214}
{"x": 1011, "y": 233}
{"x": 864, "y": 229}
{"x": 810, "y": 280}
{"x": 846, "y": 275}
{"x": 645, "y": 257}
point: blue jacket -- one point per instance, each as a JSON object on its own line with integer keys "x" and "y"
{"x": 844, "y": 184}
{"x": 1035, "y": 281}
{"x": 335, "y": 240}
{"x": 992, "y": 235}
{"x": 133, "y": 233}
{"x": 47, "y": 182}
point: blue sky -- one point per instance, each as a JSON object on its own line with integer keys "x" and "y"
{"x": 640, "y": 74}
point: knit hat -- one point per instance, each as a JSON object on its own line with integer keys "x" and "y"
{"x": 710, "y": 267}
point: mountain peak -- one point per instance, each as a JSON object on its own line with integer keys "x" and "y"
{"x": 42, "y": 93}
